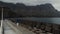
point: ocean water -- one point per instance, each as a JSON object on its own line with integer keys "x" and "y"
{"x": 49, "y": 20}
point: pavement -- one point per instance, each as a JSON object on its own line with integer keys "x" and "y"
{"x": 8, "y": 29}
{"x": 0, "y": 30}
{"x": 18, "y": 29}
{"x": 11, "y": 28}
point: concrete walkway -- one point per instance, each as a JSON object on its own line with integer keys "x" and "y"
{"x": 19, "y": 29}
{"x": 11, "y": 28}
{"x": 0, "y": 30}
{"x": 8, "y": 29}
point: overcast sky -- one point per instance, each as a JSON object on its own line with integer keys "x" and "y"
{"x": 55, "y": 3}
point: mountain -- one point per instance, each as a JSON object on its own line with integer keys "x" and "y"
{"x": 21, "y": 10}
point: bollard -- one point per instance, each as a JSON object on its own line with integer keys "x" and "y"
{"x": 17, "y": 24}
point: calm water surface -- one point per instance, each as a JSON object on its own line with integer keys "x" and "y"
{"x": 49, "y": 20}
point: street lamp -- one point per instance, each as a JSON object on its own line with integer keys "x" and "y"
{"x": 2, "y": 21}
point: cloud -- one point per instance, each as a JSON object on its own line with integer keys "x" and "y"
{"x": 56, "y": 4}
{"x": 29, "y": 2}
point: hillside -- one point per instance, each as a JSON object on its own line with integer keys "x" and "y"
{"x": 21, "y": 10}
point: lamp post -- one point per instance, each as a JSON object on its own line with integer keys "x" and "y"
{"x": 2, "y": 21}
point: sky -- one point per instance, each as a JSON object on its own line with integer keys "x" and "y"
{"x": 55, "y": 3}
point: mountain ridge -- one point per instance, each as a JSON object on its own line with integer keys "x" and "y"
{"x": 43, "y": 10}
